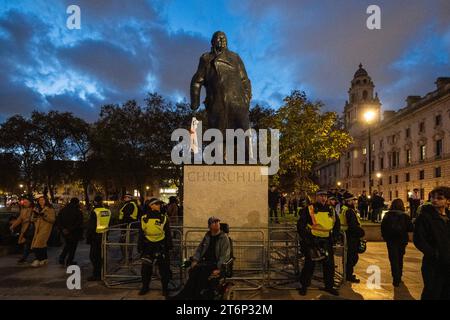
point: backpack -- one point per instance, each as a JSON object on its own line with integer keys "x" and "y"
{"x": 395, "y": 225}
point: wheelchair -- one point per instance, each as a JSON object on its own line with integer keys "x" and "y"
{"x": 219, "y": 287}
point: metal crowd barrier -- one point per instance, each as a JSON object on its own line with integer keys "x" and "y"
{"x": 264, "y": 257}
{"x": 122, "y": 263}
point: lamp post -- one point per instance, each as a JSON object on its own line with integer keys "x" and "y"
{"x": 369, "y": 116}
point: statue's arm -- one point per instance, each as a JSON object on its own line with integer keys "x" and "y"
{"x": 245, "y": 81}
{"x": 196, "y": 83}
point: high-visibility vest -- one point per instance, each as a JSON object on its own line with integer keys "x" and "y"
{"x": 343, "y": 218}
{"x": 322, "y": 222}
{"x": 154, "y": 228}
{"x": 103, "y": 217}
{"x": 134, "y": 215}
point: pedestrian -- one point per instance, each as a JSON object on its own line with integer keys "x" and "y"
{"x": 363, "y": 205}
{"x": 377, "y": 205}
{"x": 274, "y": 200}
{"x": 172, "y": 211}
{"x": 318, "y": 227}
{"x": 43, "y": 218}
{"x": 414, "y": 203}
{"x": 282, "y": 204}
{"x": 212, "y": 253}
{"x": 351, "y": 224}
{"x": 70, "y": 223}
{"x": 154, "y": 244}
{"x": 26, "y": 227}
{"x": 98, "y": 223}
{"x": 432, "y": 238}
{"x": 394, "y": 228}
{"x": 128, "y": 217}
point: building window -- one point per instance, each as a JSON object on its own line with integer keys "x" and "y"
{"x": 364, "y": 94}
{"x": 422, "y": 152}
{"x": 390, "y": 195}
{"x": 381, "y": 143}
{"x": 348, "y": 155}
{"x": 390, "y": 179}
{"x": 348, "y": 172}
{"x": 421, "y": 174}
{"x": 396, "y": 178}
{"x": 408, "y": 132}
{"x": 373, "y": 146}
{"x": 439, "y": 148}
{"x": 407, "y": 177}
{"x": 364, "y": 184}
{"x": 408, "y": 156}
{"x": 381, "y": 181}
{"x": 373, "y": 165}
{"x": 396, "y": 193}
{"x": 365, "y": 168}
{"x": 364, "y": 151}
{"x": 437, "y": 172}
{"x": 438, "y": 120}
{"x": 422, "y": 127}
{"x": 422, "y": 193}
{"x": 395, "y": 159}
{"x": 381, "y": 163}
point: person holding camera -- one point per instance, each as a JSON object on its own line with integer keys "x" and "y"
{"x": 43, "y": 218}
{"x": 318, "y": 227}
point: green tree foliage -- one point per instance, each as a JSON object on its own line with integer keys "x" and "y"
{"x": 307, "y": 137}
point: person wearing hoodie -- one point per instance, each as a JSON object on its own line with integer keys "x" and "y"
{"x": 432, "y": 237}
{"x": 394, "y": 228}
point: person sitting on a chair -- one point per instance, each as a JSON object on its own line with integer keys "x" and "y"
{"x": 212, "y": 253}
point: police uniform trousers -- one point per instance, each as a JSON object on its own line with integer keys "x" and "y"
{"x": 327, "y": 264}
{"x": 352, "y": 255}
{"x": 155, "y": 253}
{"x": 95, "y": 254}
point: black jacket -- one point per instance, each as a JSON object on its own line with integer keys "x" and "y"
{"x": 274, "y": 199}
{"x": 391, "y": 217}
{"x": 354, "y": 228}
{"x": 377, "y": 202}
{"x": 70, "y": 218}
{"x": 432, "y": 235}
{"x": 305, "y": 219}
{"x": 166, "y": 243}
{"x": 363, "y": 201}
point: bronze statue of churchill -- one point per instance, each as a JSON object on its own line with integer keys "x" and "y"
{"x": 228, "y": 89}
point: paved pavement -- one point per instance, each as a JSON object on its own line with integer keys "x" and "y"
{"x": 49, "y": 282}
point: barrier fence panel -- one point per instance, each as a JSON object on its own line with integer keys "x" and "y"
{"x": 122, "y": 261}
{"x": 264, "y": 257}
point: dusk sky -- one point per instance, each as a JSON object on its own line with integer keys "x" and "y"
{"x": 127, "y": 48}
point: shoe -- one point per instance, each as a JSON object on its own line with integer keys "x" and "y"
{"x": 302, "y": 291}
{"x": 332, "y": 291}
{"x": 353, "y": 279}
{"x": 94, "y": 278}
{"x": 43, "y": 262}
{"x": 35, "y": 263}
{"x": 144, "y": 291}
{"x": 22, "y": 260}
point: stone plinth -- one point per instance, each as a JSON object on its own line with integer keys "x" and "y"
{"x": 235, "y": 194}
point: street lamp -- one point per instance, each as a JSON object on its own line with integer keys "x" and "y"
{"x": 369, "y": 115}
{"x": 339, "y": 184}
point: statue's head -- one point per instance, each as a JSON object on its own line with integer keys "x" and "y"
{"x": 219, "y": 41}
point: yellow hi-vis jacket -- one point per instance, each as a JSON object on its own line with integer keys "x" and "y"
{"x": 154, "y": 228}
{"x": 322, "y": 222}
{"x": 103, "y": 216}
{"x": 134, "y": 215}
{"x": 343, "y": 217}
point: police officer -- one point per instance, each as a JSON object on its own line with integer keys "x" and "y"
{"x": 351, "y": 224}
{"x": 128, "y": 214}
{"x": 155, "y": 241}
{"x": 99, "y": 219}
{"x": 318, "y": 227}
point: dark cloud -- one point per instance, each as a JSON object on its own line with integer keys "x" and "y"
{"x": 73, "y": 103}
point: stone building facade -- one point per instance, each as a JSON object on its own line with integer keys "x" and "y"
{"x": 410, "y": 148}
